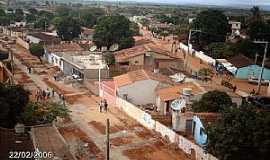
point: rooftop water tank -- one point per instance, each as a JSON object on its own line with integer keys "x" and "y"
{"x": 187, "y": 91}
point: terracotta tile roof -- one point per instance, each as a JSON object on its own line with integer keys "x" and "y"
{"x": 159, "y": 48}
{"x": 140, "y": 75}
{"x": 174, "y": 92}
{"x": 64, "y": 47}
{"x": 240, "y": 61}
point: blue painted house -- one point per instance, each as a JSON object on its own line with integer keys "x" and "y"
{"x": 200, "y": 121}
{"x": 246, "y": 68}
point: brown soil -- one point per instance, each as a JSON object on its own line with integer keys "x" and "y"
{"x": 121, "y": 140}
{"x": 56, "y": 87}
{"x": 73, "y": 131}
{"x": 156, "y": 151}
{"x": 144, "y": 133}
{"x": 73, "y": 99}
{"x": 102, "y": 129}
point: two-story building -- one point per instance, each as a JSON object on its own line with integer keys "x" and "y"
{"x": 53, "y": 53}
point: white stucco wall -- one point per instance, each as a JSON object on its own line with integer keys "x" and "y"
{"x": 140, "y": 92}
{"x": 33, "y": 39}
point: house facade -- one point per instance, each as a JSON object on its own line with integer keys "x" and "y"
{"x": 87, "y": 66}
{"x": 53, "y": 53}
{"x": 246, "y": 68}
{"x": 42, "y": 38}
{"x": 148, "y": 55}
{"x": 165, "y": 96}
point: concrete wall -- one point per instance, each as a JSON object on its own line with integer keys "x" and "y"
{"x": 146, "y": 120}
{"x": 22, "y": 43}
{"x": 93, "y": 73}
{"x": 33, "y": 39}
{"x": 205, "y": 58}
{"x": 140, "y": 92}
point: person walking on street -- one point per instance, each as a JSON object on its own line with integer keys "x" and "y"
{"x": 43, "y": 95}
{"x": 53, "y": 92}
{"x": 101, "y": 106}
{"x": 105, "y": 105}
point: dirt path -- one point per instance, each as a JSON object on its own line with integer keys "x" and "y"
{"x": 86, "y": 131}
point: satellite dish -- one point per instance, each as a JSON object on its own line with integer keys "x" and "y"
{"x": 93, "y": 48}
{"x": 114, "y": 47}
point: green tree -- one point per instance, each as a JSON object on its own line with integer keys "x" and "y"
{"x": 19, "y": 15}
{"x": 88, "y": 20}
{"x": 205, "y": 73}
{"x": 246, "y": 47}
{"x": 259, "y": 30}
{"x": 212, "y": 101}
{"x": 43, "y": 112}
{"x": 109, "y": 58}
{"x": 56, "y": 21}
{"x": 113, "y": 29}
{"x": 134, "y": 27}
{"x": 219, "y": 50}
{"x": 68, "y": 28}
{"x": 2, "y": 12}
{"x": 214, "y": 26}
{"x": 256, "y": 14}
{"x": 4, "y": 20}
{"x": 13, "y": 99}
{"x": 42, "y": 23}
{"x": 240, "y": 134}
{"x": 37, "y": 50}
{"x": 63, "y": 11}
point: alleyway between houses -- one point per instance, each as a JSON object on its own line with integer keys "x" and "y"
{"x": 85, "y": 130}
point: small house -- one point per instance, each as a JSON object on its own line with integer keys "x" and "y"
{"x": 53, "y": 53}
{"x": 86, "y": 66}
{"x": 149, "y": 55}
{"x": 235, "y": 27}
{"x": 247, "y": 69}
{"x": 87, "y": 33}
{"x": 165, "y": 96}
{"x": 42, "y": 38}
{"x": 138, "y": 87}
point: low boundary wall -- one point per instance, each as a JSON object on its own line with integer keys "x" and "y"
{"x": 146, "y": 120}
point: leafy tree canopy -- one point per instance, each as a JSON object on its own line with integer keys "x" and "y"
{"x": 213, "y": 24}
{"x": 37, "y": 50}
{"x": 240, "y": 134}
{"x": 219, "y": 50}
{"x": 113, "y": 29}
{"x": 13, "y": 99}
{"x": 212, "y": 101}
{"x": 2, "y": 12}
{"x": 68, "y": 28}
{"x": 43, "y": 112}
{"x": 63, "y": 11}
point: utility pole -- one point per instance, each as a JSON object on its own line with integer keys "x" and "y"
{"x": 189, "y": 38}
{"x": 108, "y": 140}
{"x": 263, "y": 62}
